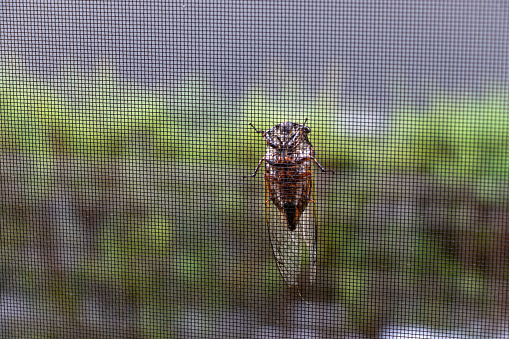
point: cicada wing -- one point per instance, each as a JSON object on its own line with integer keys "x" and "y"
{"x": 289, "y": 247}
{"x": 307, "y": 227}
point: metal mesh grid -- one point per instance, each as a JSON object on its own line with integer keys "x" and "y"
{"x": 124, "y": 139}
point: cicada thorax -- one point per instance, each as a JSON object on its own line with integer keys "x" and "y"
{"x": 288, "y": 170}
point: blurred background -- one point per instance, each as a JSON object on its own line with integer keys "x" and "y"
{"x": 124, "y": 137}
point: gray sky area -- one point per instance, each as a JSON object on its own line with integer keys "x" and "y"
{"x": 461, "y": 45}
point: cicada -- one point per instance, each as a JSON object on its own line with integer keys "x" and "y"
{"x": 289, "y": 194}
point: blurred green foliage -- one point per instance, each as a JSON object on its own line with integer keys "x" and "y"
{"x": 93, "y": 115}
{"x": 99, "y": 115}
{"x": 170, "y": 163}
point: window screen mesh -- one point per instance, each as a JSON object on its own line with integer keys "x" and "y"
{"x": 125, "y": 137}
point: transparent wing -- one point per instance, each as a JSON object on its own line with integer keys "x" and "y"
{"x": 308, "y": 230}
{"x": 290, "y": 247}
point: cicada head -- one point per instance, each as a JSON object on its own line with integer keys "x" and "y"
{"x": 287, "y": 139}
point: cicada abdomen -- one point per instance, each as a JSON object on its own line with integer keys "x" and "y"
{"x": 289, "y": 190}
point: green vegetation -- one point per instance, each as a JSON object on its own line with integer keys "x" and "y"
{"x": 154, "y": 181}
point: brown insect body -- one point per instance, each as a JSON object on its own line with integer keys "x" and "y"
{"x": 289, "y": 189}
{"x": 288, "y": 176}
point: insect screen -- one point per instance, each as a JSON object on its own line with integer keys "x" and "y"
{"x": 254, "y": 169}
